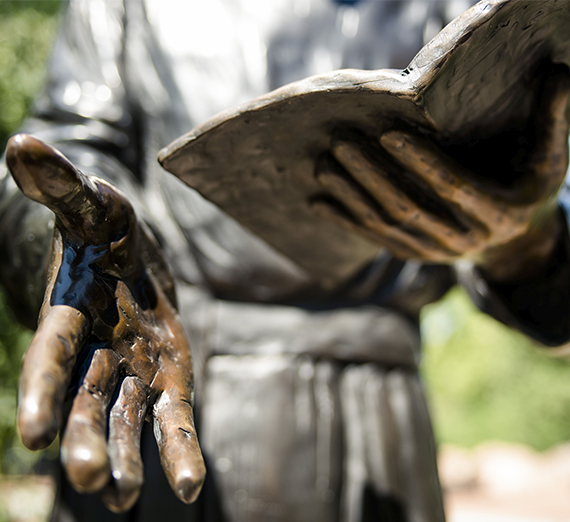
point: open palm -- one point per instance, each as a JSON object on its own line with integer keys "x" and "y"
{"x": 108, "y": 333}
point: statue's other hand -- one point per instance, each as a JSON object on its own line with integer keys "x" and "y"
{"x": 411, "y": 197}
{"x": 109, "y": 339}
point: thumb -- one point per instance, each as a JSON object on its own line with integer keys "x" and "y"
{"x": 89, "y": 210}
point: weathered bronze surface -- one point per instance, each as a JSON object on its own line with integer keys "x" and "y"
{"x": 108, "y": 327}
{"x": 311, "y": 405}
{"x": 470, "y": 93}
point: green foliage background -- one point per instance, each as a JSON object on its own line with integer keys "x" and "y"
{"x": 484, "y": 381}
{"x": 27, "y": 29}
{"x": 26, "y": 32}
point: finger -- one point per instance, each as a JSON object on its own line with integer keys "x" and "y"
{"x": 551, "y": 157}
{"x": 330, "y": 212}
{"x": 176, "y": 435}
{"x": 454, "y": 235}
{"x": 125, "y": 425}
{"x": 84, "y": 446}
{"x": 87, "y": 207}
{"x": 439, "y": 172}
{"x": 370, "y": 215}
{"x": 46, "y": 373}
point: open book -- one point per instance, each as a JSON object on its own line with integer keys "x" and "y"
{"x": 477, "y": 79}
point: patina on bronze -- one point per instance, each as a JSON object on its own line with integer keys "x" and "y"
{"x": 368, "y": 155}
{"x": 109, "y": 314}
{"x": 470, "y": 94}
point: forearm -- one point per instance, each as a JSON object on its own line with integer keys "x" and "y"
{"x": 534, "y": 300}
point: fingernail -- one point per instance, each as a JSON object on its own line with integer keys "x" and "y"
{"x": 87, "y": 466}
{"x": 123, "y": 492}
{"x": 15, "y": 159}
{"x": 188, "y": 486}
{"x": 37, "y": 430}
{"x": 340, "y": 146}
{"x": 392, "y": 140}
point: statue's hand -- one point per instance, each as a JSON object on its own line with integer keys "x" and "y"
{"x": 414, "y": 199}
{"x": 109, "y": 337}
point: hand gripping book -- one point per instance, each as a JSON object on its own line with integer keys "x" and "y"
{"x": 476, "y": 80}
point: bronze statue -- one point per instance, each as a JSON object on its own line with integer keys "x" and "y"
{"x": 308, "y": 402}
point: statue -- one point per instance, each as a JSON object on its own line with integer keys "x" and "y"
{"x": 308, "y": 402}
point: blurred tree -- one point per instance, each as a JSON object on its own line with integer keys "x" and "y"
{"x": 486, "y": 381}
{"x": 26, "y": 32}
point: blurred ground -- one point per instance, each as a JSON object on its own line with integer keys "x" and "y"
{"x": 499, "y": 482}
{"x": 494, "y": 482}
{"x": 25, "y": 499}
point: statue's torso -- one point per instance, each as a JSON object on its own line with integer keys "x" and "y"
{"x": 190, "y": 60}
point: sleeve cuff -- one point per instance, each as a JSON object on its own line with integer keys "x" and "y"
{"x": 539, "y": 306}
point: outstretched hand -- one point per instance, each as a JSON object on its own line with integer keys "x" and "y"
{"x": 415, "y": 200}
{"x": 108, "y": 333}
